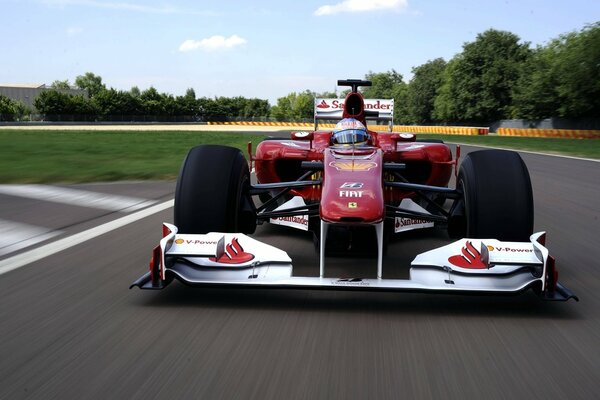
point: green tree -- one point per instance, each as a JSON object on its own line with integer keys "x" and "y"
{"x": 477, "y": 85}
{"x": 535, "y": 94}
{"x": 58, "y": 105}
{"x": 422, "y": 90}
{"x": 187, "y": 104}
{"x": 384, "y": 84}
{"x": 11, "y": 110}
{"x": 254, "y": 108}
{"x": 117, "y": 103}
{"x": 170, "y": 105}
{"x": 152, "y": 103}
{"x": 388, "y": 85}
{"x": 90, "y": 82}
{"x": 61, "y": 85}
{"x": 578, "y": 67}
{"x": 561, "y": 79}
{"x": 212, "y": 110}
{"x": 294, "y": 106}
{"x": 326, "y": 95}
{"x": 53, "y": 102}
{"x": 190, "y": 94}
{"x": 135, "y": 91}
{"x": 577, "y": 71}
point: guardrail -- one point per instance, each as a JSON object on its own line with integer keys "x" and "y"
{"x": 444, "y": 130}
{"x": 550, "y": 133}
{"x": 447, "y": 130}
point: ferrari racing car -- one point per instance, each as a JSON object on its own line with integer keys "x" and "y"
{"x": 353, "y": 180}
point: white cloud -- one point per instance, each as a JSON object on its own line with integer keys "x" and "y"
{"x": 362, "y": 6}
{"x": 212, "y": 43}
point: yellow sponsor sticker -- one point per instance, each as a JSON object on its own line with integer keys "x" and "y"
{"x": 353, "y": 165}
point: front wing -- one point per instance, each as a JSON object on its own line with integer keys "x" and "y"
{"x": 464, "y": 266}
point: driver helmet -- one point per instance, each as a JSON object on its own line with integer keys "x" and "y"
{"x": 350, "y": 131}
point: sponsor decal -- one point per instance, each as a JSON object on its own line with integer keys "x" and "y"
{"x": 323, "y": 104}
{"x": 296, "y": 221}
{"x": 378, "y": 105}
{"x": 510, "y": 249}
{"x": 350, "y": 282}
{"x": 402, "y": 222}
{"x": 352, "y": 205}
{"x": 351, "y": 193}
{"x": 470, "y": 258}
{"x": 197, "y": 241}
{"x": 300, "y": 219}
{"x": 301, "y": 134}
{"x": 233, "y": 254}
{"x": 353, "y": 165}
{"x": 335, "y": 103}
{"x": 386, "y": 106}
{"x": 352, "y": 185}
{"x": 348, "y": 124}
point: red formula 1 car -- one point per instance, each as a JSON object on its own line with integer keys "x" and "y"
{"x": 345, "y": 183}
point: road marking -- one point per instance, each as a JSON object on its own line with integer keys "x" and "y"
{"x": 16, "y": 236}
{"x": 528, "y": 152}
{"x": 49, "y": 249}
{"x": 76, "y": 197}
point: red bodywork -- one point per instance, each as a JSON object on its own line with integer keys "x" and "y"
{"x": 364, "y": 202}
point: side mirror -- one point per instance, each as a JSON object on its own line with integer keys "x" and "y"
{"x": 302, "y": 136}
{"x": 404, "y": 137}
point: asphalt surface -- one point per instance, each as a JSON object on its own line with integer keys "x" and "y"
{"x": 70, "y": 328}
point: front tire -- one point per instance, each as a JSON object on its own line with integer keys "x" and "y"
{"x": 497, "y": 196}
{"x": 212, "y": 192}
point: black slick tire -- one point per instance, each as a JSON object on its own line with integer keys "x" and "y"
{"x": 497, "y": 195}
{"x": 211, "y": 193}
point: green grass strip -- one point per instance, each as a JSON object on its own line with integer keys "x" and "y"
{"x": 47, "y": 156}
{"x": 585, "y": 148}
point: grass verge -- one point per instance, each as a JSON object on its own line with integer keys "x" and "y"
{"x": 586, "y": 148}
{"x": 47, "y": 156}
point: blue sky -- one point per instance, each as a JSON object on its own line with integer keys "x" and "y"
{"x": 259, "y": 48}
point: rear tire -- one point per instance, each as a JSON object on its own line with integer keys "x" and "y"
{"x": 212, "y": 192}
{"x": 497, "y": 195}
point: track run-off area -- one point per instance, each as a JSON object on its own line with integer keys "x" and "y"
{"x": 72, "y": 329}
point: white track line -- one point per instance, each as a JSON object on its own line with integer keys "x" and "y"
{"x": 528, "y": 152}
{"x": 16, "y": 236}
{"x": 49, "y": 249}
{"x": 76, "y": 197}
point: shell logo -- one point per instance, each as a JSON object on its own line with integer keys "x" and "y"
{"x": 179, "y": 241}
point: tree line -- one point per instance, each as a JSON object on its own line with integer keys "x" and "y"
{"x": 494, "y": 77}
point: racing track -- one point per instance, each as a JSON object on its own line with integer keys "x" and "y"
{"x": 70, "y": 329}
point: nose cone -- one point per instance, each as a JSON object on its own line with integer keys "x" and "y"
{"x": 352, "y": 187}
